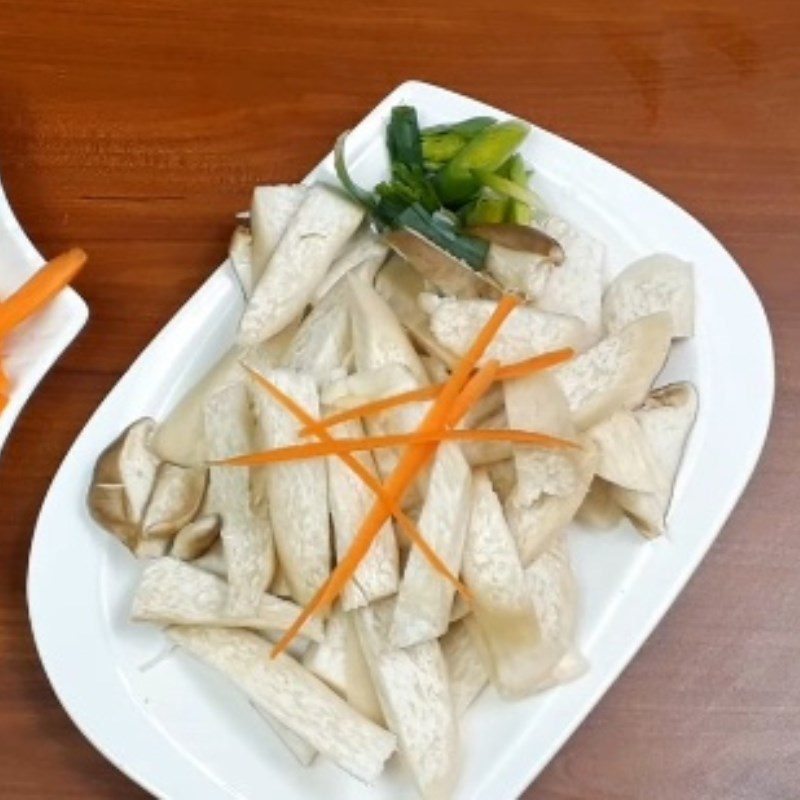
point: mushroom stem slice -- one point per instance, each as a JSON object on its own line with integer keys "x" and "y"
{"x": 196, "y": 538}
{"x": 293, "y": 696}
{"x": 177, "y": 495}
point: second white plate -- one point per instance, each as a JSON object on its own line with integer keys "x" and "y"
{"x": 180, "y": 731}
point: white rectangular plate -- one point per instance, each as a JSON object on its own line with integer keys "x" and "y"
{"x": 180, "y": 731}
{"x": 33, "y": 348}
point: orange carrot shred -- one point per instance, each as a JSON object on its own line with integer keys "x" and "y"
{"x": 366, "y": 476}
{"x": 414, "y": 458}
{"x": 337, "y": 447}
{"x": 42, "y": 287}
{"x": 518, "y": 369}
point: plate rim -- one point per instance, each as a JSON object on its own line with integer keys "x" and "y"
{"x": 520, "y": 776}
{"x": 69, "y": 303}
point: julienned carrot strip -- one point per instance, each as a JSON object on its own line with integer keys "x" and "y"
{"x": 414, "y": 458}
{"x": 337, "y": 447}
{"x": 518, "y": 369}
{"x": 42, "y": 287}
{"x": 405, "y": 473}
{"x": 366, "y": 476}
{"x": 5, "y": 387}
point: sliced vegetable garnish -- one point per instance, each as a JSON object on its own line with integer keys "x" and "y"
{"x": 40, "y": 289}
{"x": 520, "y": 237}
{"x": 456, "y": 182}
{"x": 444, "y": 234}
{"x": 414, "y": 458}
{"x": 519, "y": 213}
{"x": 506, "y": 186}
{"x": 321, "y": 449}
{"x": 366, "y": 476}
{"x": 351, "y": 187}
{"x": 467, "y": 128}
{"x": 520, "y": 369}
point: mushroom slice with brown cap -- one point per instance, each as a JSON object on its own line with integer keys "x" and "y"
{"x": 519, "y": 271}
{"x": 123, "y": 482}
{"x": 455, "y": 278}
{"x": 666, "y": 419}
{"x": 196, "y": 538}
{"x": 177, "y": 495}
{"x": 659, "y": 282}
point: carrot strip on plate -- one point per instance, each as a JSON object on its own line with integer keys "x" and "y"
{"x": 518, "y": 369}
{"x": 5, "y": 388}
{"x": 362, "y": 472}
{"x": 337, "y": 447}
{"x": 413, "y": 459}
{"x": 40, "y": 289}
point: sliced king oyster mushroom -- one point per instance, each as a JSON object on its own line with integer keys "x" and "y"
{"x": 526, "y": 333}
{"x": 576, "y": 287}
{"x": 123, "y": 481}
{"x": 400, "y": 286}
{"x": 599, "y": 508}
{"x": 666, "y": 419}
{"x": 177, "y": 495}
{"x": 196, "y": 538}
{"x": 271, "y": 210}
{"x": 617, "y": 372}
{"x": 293, "y": 696}
{"x": 656, "y": 283}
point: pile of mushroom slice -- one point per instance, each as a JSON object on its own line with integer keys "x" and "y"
{"x": 334, "y": 319}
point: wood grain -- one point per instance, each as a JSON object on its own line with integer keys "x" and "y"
{"x": 137, "y": 128}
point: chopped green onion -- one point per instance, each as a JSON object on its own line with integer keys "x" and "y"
{"x": 519, "y": 213}
{"x": 505, "y": 186}
{"x": 456, "y": 182}
{"x": 403, "y": 137}
{"x": 468, "y": 128}
{"x": 486, "y": 211}
{"x": 442, "y": 233}
{"x": 441, "y": 147}
{"x": 361, "y": 196}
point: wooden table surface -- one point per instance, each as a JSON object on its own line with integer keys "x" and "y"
{"x": 137, "y": 128}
